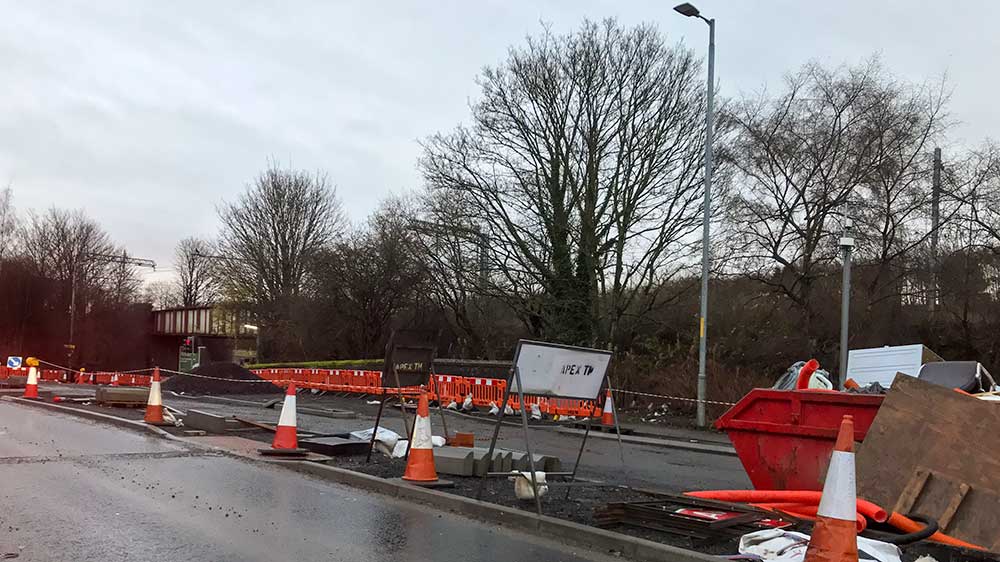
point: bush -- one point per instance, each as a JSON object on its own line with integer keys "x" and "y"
{"x": 368, "y": 364}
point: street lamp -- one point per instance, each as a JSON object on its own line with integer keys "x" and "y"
{"x": 847, "y": 246}
{"x": 690, "y": 11}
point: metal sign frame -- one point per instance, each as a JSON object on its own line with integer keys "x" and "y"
{"x": 423, "y": 342}
{"x": 517, "y": 357}
{"x": 515, "y": 377}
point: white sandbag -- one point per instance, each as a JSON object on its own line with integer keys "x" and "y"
{"x": 494, "y": 409}
{"x": 522, "y": 485}
{"x": 467, "y": 405}
{"x": 385, "y": 436}
{"x": 777, "y": 545}
{"x": 536, "y": 412}
{"x": 438, "y": 441}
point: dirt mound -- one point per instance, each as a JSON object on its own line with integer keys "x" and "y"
{"x": 226, "y": 379}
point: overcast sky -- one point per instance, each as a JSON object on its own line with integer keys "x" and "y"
{"x": 148, "y": 114}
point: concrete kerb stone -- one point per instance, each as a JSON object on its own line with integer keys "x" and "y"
{"x": 456, "y": 461}
{"x": 544, "y": 526}
{"x": 715, "y": 449}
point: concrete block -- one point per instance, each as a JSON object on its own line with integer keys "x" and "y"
{"x": 480, "y": 467}
{"x": 502, "y": 462}
{"x": 15, "y": 381}
{"x": 456, "y": 461}
{"x": 196, "y": 419}
{"x": 122, "y": 395}
{"x": 545, "y": 463}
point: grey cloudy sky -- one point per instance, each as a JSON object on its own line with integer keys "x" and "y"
{"x": 148, "y": 114}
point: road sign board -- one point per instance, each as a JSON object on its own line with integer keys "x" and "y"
{"x": 14, "y": 362}
{"x": 562, "y": 371}
{"x": 186, "y": 361}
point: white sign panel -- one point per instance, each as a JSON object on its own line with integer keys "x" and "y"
{"x": 550, "y": 369}
{"x": 13, "y": 362}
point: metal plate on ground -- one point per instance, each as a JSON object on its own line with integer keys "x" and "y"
{"x": 335, "y": 446}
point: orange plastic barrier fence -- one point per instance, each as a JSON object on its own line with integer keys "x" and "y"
{"x": 445, "y": 388}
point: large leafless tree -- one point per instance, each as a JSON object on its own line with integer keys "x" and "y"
{"x": 273, "y": 230}
{"x": 848, "y": 141}
{"x": 581, "y": 168}
{"x": 196, "y": 282}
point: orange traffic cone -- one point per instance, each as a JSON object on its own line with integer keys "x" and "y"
{"x": 81, "y": 377}
{"x": 608, "y": 415}
{"x": 286, "y": 439}
{"x": 420, "y": 465}
{"x": 154, "y": 406}
{"x": 31, "y": 387}
{"x": 834, "y": 537}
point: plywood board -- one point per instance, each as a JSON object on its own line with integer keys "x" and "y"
{"x": 954, "y": 439}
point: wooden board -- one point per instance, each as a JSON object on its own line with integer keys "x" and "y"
{"x": 936, "y": 452}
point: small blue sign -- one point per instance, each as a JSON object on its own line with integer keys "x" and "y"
{"x": 13, "y": 362}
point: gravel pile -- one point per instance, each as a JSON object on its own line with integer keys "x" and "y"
{"x": 230, "y": 375}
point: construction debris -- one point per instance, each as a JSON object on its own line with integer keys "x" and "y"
{"x": 701, "y": 520}
{"x": 934, "y": 451}
{"x": 779, "y": 545}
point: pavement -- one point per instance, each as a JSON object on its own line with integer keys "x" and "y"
{"x": 78, "y": 490}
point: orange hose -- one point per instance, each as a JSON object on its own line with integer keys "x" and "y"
{"x": 806, "y": 373}
{"x": 908, "y": 525}
{"x": 808, "y": 512}
{"x": 808, "y": 497}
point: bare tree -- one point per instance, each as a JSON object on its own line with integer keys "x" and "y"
{"x": 272, "y": 232}
{"x": 60, "y": 244}
{"x": 270, "y": 238}
{"x": 581, "y": 167}
{"x": 162, "y": 294}
{"x": 373, "y": 276}
{"x": 196, "y": 282}
{"x": 848, "y": 140}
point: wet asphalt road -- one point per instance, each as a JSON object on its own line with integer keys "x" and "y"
{"x": 77, "y": 490}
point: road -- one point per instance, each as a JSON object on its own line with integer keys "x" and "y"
{"x": 78, "y": 490}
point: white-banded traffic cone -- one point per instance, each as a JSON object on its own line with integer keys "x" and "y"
{"x": 286, "y": 439}
{"x": 835, "y": 535}
{"x": 420, "y": 465}
{"x": 154, "y": 406}
{"x": 31, "y": 387}
{"x": 608, "y": 413}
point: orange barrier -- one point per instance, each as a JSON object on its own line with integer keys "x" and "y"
{"x": 443, "y": 388}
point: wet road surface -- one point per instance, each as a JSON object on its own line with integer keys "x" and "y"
{"x": 76, "y": 490}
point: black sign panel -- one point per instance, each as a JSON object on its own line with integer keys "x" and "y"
{"x": 409, "y": 358}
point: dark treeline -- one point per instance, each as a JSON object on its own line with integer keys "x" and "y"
{"x": 568, "y": 208}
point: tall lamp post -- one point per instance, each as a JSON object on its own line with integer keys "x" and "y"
{"x": 846, "y": 246}
{"x": 690, "y": 11}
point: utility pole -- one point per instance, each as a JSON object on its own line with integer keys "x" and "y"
{"x": 935, "y": 225}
